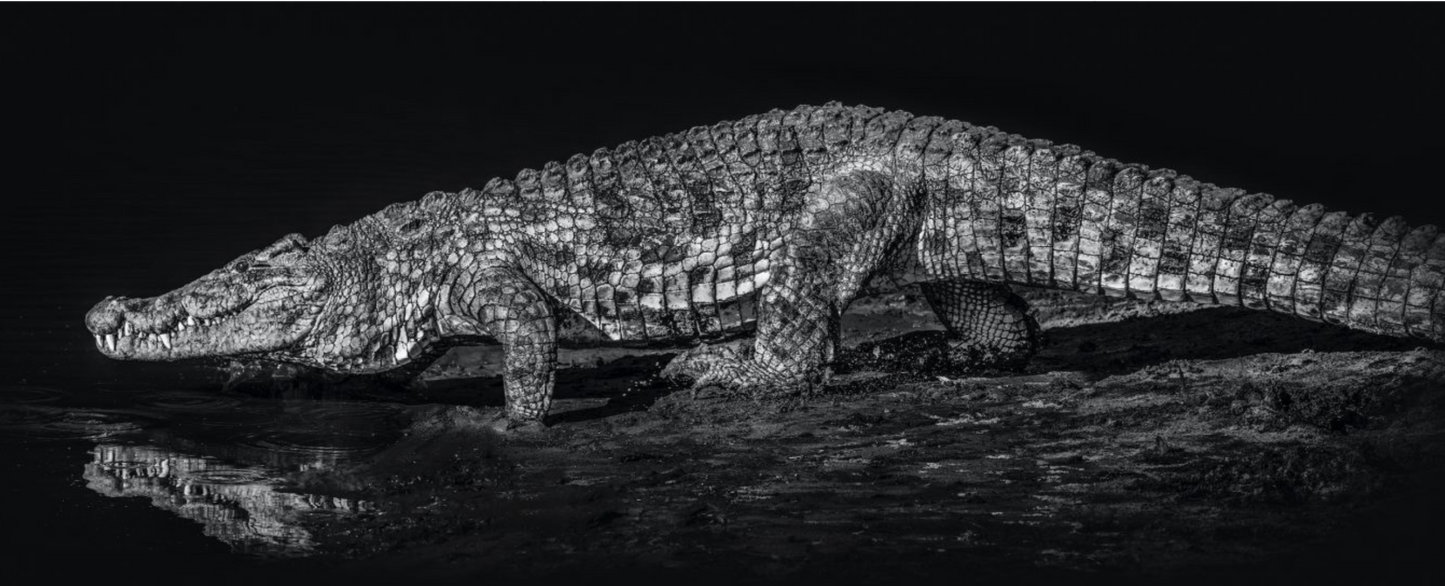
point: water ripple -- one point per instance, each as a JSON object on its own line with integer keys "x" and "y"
{"x": 95, "y": 424}
{"x": 327, "y": 429}
{"x": 189, "y": 401}
{"x": 52, "y": 423}
{"x": 28, "y": 395}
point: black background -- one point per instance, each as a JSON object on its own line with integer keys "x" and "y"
{"x": 149, "y": 144}
{"x": 152, "y": 143}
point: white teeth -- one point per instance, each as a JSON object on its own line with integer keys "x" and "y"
{"x": 190, "y": 320}
{"x": 98, "y": 340}
{"x": 166, "y": 341}
{"x": 110, "y": 342}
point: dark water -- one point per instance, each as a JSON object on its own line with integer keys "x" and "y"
{"x": 122, "y": 476}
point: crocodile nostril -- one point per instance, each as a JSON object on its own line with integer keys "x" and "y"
{"x": 104, "y": 318}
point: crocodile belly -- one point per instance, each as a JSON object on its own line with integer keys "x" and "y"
{"x": 643, "y": 326}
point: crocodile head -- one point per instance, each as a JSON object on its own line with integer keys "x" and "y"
{"x": 258, "y": 305}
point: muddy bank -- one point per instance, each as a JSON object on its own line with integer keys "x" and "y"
{"x": 1145, "y": 442}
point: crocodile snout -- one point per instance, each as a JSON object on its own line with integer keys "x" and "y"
{"x": 106, "y": 316}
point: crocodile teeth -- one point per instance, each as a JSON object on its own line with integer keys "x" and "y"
{"x": 166, "y": 341}
{"x": 126, "y": 329}
{"x": 110, "y": 342}
{"x": 190, "y": 320}
{"x": 98, "y": 339}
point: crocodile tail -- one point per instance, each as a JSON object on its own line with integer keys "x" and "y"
{"x": 1380, "y": 277}
{"x": 1029, "y": 212}
{"x": 1170, "y": 237}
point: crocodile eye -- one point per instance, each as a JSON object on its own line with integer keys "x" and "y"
{"x": 242, "y": 266}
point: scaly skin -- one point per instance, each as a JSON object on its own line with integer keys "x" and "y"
{"x": 774, "y": 224}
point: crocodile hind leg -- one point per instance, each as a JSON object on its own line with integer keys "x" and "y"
{"x": 988, "y": 325}
{"x": 797, "y": 333}
{"x": 847, "y": 229}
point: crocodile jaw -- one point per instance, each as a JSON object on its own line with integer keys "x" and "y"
{"x": 132, "y": 329}
{"x": 259, "y": 304}
{"x": 172, "y": 326}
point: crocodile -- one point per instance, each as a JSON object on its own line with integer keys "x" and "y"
{"x": 770, "y": 226}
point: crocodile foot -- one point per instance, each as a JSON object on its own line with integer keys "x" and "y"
{"x": 731, "y": 370}
{"x": 508, "y": 426}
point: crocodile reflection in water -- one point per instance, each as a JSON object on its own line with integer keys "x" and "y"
{"x": 245, "y": 506}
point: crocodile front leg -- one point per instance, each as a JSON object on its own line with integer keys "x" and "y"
{"x": 505, "y": 305}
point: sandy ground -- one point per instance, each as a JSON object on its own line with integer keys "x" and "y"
{"x": 1145, "y": 442}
